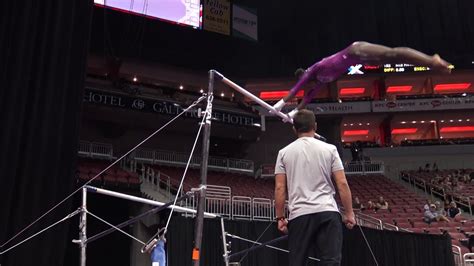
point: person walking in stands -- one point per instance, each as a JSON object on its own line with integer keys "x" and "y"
{"x": 304, "y": 169}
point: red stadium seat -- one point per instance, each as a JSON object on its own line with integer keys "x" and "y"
{"x": 420, "y": 224}
{"x": 458, "y": 236}
{"x": 405, "y": 225}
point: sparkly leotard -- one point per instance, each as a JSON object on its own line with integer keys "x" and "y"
{"x": 325, "y": 71}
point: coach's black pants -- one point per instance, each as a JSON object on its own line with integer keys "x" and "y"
{"x": 321, "y": 232}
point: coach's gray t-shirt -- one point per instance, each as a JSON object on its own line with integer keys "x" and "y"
{"x": 308, "y": 164}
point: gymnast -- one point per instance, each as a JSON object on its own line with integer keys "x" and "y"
{"x": 332, "y": 67}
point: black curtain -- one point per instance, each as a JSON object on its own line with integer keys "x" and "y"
{"x": 43, "y": 50}
{"x": 390, "y": 248}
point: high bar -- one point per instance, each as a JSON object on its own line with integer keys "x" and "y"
{"x": 260, "y": 102}
{"x": 143, "y": 200}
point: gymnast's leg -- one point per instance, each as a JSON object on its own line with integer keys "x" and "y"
{"x": 309, "y": 95}
{"x": 303, "y": 78}
{"x": 378, "y": 54}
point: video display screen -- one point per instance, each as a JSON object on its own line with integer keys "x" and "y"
{"x": 185, "y": 12}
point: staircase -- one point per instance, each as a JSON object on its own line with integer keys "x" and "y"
{"x": 155, "y": 186}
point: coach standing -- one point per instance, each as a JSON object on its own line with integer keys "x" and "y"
{"x": 305, "y": 167}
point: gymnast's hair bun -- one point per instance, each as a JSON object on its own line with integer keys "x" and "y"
{"x": 299, "y": 72}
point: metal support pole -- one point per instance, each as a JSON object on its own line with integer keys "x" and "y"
{"x": 224, "y": 243}
{"x": 199, "y": 222}
{"x": 83, "y": 228}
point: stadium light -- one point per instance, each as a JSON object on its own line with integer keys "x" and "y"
{"x": 456, "y": 129}
{"x": 360, "y": 132}
{"x": 452, "y": 86}
{"x": 394, "y": 89}
{"x": 351, "y": 91}
{"x": 277, "y": 95}
{"x": 399, "y": 131}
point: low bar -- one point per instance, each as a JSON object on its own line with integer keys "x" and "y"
{"x": 143, "y": 200}
{"x": 133, "y": 220}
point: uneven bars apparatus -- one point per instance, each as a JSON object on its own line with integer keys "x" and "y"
{"x": 259, "y": 101}
{"x": 83, "y": 240}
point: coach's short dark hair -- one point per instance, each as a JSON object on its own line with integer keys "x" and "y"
{"x": 304, "y": 121}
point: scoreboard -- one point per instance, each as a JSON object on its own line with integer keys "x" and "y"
{"x": 386, "y": 68}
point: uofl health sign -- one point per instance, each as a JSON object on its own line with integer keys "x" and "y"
{"x": 98, "y": 97}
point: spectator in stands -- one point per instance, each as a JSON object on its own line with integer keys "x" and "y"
{"x": 466, "y": 178}
{"x": 382, "y": 204}
{"x": 435, "y": 167}
{"x": 440, "y": 210}
{"x": 430, "y": 215}
{"x": 427, "y": 205}
{"x": 356, "y": 205}
{"x": 371, "y": 205}
{"x": 453, "y": 210}
{"x": 303, "y": 171}
{"x": 446, "y": 205}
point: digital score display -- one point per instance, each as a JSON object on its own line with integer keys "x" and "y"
{"x": 386, "y": 68}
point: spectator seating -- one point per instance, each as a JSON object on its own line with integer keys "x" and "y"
{"x": 461, "y": 190}
{"x": 241, "y": 185}
{"x": 114, "y": 177}
{"x": 405, "y": 207}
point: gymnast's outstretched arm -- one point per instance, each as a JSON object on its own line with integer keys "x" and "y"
{"x": 331, "y": 68}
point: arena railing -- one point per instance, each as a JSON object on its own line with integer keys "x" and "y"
{"x": 262, "y": 209}
{"x": 266, "y": 170}
{"x": 218, "y": 201}
{"x": 468, "y": 259}
{"x": 438, "y": 191}
{"x": 369, "y": 221}
{"x": 354, "y": 168}
{"x": 463, "y": 201}
{"x": 458, "y": 259}
{"x": 241, "y": 208}
{"x": 84, "y": 148}
{"x": 102, "y": 149}
{"x": 95, "y": 150}
{"x": 156, "y": 181}
{"x": 144, "y": 155}
{"x": 390, "y": 227}
{"x": 180, "y": 159}
{"x": 420, "y": 183}
{"x": 363, "y": 167}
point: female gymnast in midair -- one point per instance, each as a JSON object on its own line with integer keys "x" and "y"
{"x": 332, "y": 67}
